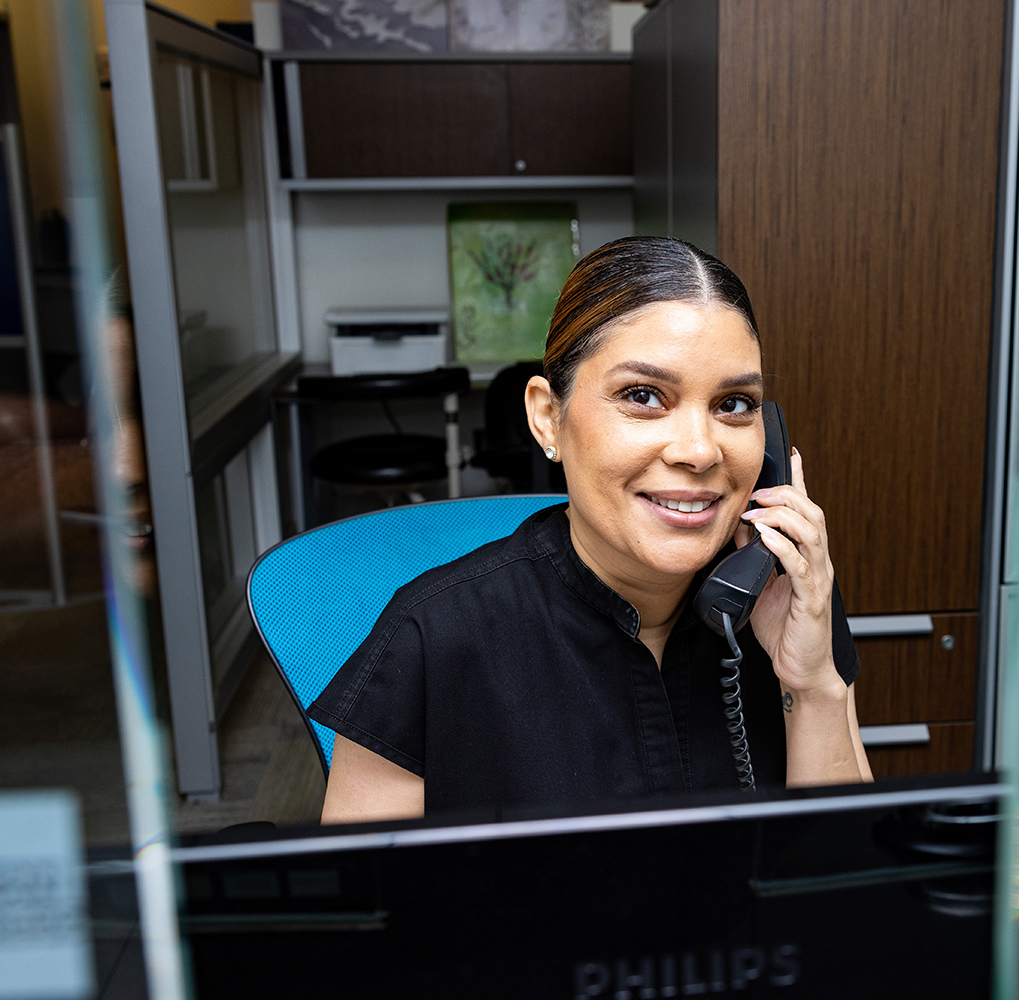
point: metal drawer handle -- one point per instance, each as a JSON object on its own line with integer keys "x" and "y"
{"x": 882, "y": 736}
{"x": 875, "y": 625}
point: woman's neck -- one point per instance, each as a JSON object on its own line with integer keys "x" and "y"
{"x": 658, "y": 601}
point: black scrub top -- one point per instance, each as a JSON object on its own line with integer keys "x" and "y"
{"x": 514, "y": 676}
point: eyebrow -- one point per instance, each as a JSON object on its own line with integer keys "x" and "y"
{"x": 747, "y": 379}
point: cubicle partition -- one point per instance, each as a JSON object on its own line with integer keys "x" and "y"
{"x": 188, "y": 105}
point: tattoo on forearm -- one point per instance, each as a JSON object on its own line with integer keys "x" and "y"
{"x": 787, "y": 701}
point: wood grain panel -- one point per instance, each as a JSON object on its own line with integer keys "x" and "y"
{"x": 571, "y": 118}
{"x": 857, "y": 147}
{"x": 915, "y": 679}
{"x": 950, "y": 749}
{"x": 405, "y": 119}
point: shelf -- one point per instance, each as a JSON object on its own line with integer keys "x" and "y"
{"x": 360, "y": 55}
{"x": 511, "y": 183}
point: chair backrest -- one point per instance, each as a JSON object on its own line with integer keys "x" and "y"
{"x": 506, "y": 424}
{"x": 315, "y": 597}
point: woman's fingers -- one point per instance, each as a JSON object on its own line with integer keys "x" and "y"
{"x": 796, "y": 462}
{"x": 792, "y": 525}
{"x": 791, "y": 511}
{"x": 794, "y": 562}
{"x": 791, "y": 497}
{"x": 804, "y": 525}
{"x": 804, "y": 530}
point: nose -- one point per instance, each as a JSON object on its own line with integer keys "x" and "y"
{"x": 691, "y": 440}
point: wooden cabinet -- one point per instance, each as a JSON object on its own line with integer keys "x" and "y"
{"x": 929, "y": 678}
{"x": 920, "y": 678}
{"x": 459, "y": 118}
{"x": 843, "y": 159}
{"x": 949, "y": 749}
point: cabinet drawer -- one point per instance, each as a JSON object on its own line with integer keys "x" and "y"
{"x": 916, "y": 678}
{"x": 950, "y": 749}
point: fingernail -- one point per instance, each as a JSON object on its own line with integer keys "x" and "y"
{"x": 749, "y": 515}
{"x": 760, "y": 493}
{"x": 767, "y": 529}
{"x": 796, "y": 451}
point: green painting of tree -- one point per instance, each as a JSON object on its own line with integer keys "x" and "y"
{"x": 508, "y": 262}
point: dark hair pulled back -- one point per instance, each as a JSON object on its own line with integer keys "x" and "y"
{"x": 622, "y": 276}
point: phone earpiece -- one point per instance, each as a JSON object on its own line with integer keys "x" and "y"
{"x": 736, "y": 582}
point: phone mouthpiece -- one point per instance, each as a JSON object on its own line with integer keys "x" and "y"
{"x": 734, "y": 586}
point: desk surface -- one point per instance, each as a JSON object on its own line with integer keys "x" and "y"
{"x": 287, "y": 393}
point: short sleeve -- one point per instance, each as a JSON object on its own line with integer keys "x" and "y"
{"x": 847, "y": 662}
{"x": 376, "y": 699}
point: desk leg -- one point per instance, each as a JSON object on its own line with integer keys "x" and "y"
{"x": 451, "y": 405}
{"x": 296, "y": 456}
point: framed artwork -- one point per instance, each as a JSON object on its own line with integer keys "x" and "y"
{"x": 507, "y": 264}
{"x": 526, "y": 26}
{"x": 406, "y": 26}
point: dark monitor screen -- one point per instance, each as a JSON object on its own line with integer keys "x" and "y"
{"x": 849, "y": 893}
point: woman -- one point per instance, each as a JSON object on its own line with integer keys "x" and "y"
{"x": 565, "y": 662}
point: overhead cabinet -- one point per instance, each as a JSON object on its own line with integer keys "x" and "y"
{"x": 389, "y": 119}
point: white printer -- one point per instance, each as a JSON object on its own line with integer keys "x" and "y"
{"x": 366, "y": 341}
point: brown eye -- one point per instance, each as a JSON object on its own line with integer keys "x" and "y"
{"x": 644, "y": 397}
{"x": 735, "y": 404}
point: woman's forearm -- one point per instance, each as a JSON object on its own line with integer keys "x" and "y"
{"x": 820, "y": 748}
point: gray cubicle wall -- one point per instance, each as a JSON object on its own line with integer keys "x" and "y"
{"x": 188, "y": 106}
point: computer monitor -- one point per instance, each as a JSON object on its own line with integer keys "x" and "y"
{"x": 848, "y": 893}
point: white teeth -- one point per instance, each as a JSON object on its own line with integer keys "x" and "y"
{"x": 686, "y": 506}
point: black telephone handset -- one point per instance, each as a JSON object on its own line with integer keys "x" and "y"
{"x": 737, "y": 581}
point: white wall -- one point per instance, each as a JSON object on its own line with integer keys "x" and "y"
{"x": 389, "y": 249}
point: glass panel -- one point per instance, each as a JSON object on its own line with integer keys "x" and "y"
{"x": 226, "y": 533}
{"x": 213, "y": 539}
{"x": 210, "y": 149}
{"x": 86, "y": 887}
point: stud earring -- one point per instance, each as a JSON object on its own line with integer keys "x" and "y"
{"x": 550, "y": 453}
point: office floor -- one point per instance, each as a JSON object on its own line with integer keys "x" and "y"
{"x": 268, "y": 762}
{"x": 58, "y": 721}
{"x": 58, "y": 728}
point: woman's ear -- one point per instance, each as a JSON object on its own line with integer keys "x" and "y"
{"x": 541, "y": 411}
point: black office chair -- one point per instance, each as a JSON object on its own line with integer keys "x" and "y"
{"x": 507, "y": 449}
{"x": 397, "y": 463}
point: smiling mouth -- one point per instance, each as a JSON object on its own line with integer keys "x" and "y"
{"x": 686, "y": 506}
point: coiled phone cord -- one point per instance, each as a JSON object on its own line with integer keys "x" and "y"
{"x": 734, "y": 711}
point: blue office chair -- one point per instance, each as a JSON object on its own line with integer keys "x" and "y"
{"x": 315, "y": 597}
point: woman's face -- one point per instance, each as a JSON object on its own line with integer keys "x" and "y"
{"x": 662, "y": 441}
